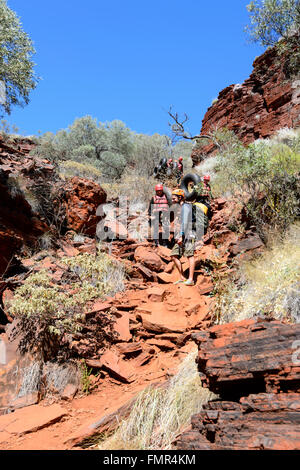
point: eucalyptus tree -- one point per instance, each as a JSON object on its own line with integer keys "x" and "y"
{"x": 17, "y": 76}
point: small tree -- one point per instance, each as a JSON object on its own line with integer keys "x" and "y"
{"x": 17, "y": 77}
{"x": 105, "y": 145}
{"x": 276, "y": 23}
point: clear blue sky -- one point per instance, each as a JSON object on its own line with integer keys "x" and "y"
{"x": 131, "y": 60}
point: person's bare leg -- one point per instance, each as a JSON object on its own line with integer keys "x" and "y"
{"x": 179, "y": 267}
{"x": 191, "y": 268}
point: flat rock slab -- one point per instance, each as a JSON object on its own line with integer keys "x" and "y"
{"x": 121, "y": 327}
{"x": 161, "y": 320}
{"x": 117, "y": 367}
{"x": 249, "y": 356}
{"x": 156, "y": 294}
{"x": 30, "y": 419}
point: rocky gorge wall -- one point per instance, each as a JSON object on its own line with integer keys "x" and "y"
{"x": 253, "y": 367}
{"x": 35, "y": 201}
{"x": 267, "y": 101}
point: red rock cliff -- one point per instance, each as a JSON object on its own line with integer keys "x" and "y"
{"x": 267, "y": 101}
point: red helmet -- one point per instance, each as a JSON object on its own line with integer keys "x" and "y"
{"x": 180, "y": 159}
{"x": 170, "y": 160}
{"x": 206, "y": 178}
{"x": 159, "y": 187}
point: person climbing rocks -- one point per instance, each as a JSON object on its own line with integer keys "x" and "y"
{"x": 175, "y": 209}
{"x": 206, "y": 187}
{"x": 158, "y": 213}
{"x": 161, "y": 169}
{"x": 184, "y": 237}
{"x": 180, "y": 164}
{"x": 179, "y": 169}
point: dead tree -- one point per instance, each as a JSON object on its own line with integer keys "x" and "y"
{"x": 179, "y": 131}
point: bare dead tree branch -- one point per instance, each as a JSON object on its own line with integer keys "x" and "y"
{"x": 179, "y": 131}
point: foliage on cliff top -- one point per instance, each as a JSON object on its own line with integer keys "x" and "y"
{"x": 276, "y": 23}
{"x": 111, "y": 147}
{"x": 17, "y": 77}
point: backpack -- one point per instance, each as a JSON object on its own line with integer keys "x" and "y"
{"x": 200, "y": 216}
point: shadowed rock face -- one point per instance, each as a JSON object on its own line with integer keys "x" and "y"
{"x": 18, "y": 222}
{"x": 74, "y": 204}
{"x": 265, "y": 102}
{"x": 251, "y": 366}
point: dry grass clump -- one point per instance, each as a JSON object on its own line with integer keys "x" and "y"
{"x": 70, "y": 168}
{"x": 268, "y": 286}
{"x": 138, "y": 189}
{"x": 160, "y": 413}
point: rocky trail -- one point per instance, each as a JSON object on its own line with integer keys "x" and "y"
{"x": 154, "y": 321}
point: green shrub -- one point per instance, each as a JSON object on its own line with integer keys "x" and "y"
{"x": 276, "y": 23}
{"x": 111, "y": 147}
{"x": 265, "y": 176}
{"x": 49, "y": 314}
{"x": 17, "y": 76}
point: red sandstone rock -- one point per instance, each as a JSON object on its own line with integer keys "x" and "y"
{"x": 149, "y": 258}
{"x": 167, "y": 278}
{"x": 115, "y": 230}
{"x": 121, "y": 327}
{"x": 261, "y": 357}
{"x": 264, "y": 421}
{"x": 129, "y": 348}
{"x": 145, "y": 272}
{"x": 156, "y": 294}
{"x": 164, "y": 252}
{"x": 265, "y": 102}
{"x": 82, "y": 200}
{"x": 250, "y": 243}
{"x": 205, "y": 285}
{"x": 240, "y": 361}
{"x": 163, "y": 344}
{"x": 117, "y": 367}
{"x": 31, "y": 419}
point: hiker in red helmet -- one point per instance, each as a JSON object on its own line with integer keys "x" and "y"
{"x": 158, "y": 213}
{"x": 206, "y": 187}
{"x": 180, "y": 164}
{"x": 179, "y": 169}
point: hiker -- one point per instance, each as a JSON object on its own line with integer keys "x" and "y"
{"x": 206, "y": 184}
{"x": 184, "y": 238}
{"x": 194, "y": 219}
{"x": 158, "y": 213}
{"x": 179, "y": 169}
{"x": 175, "y": 210}
{"x": 180, "y": 164}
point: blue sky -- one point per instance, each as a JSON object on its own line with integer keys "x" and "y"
{"x": 131, "y": 60}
